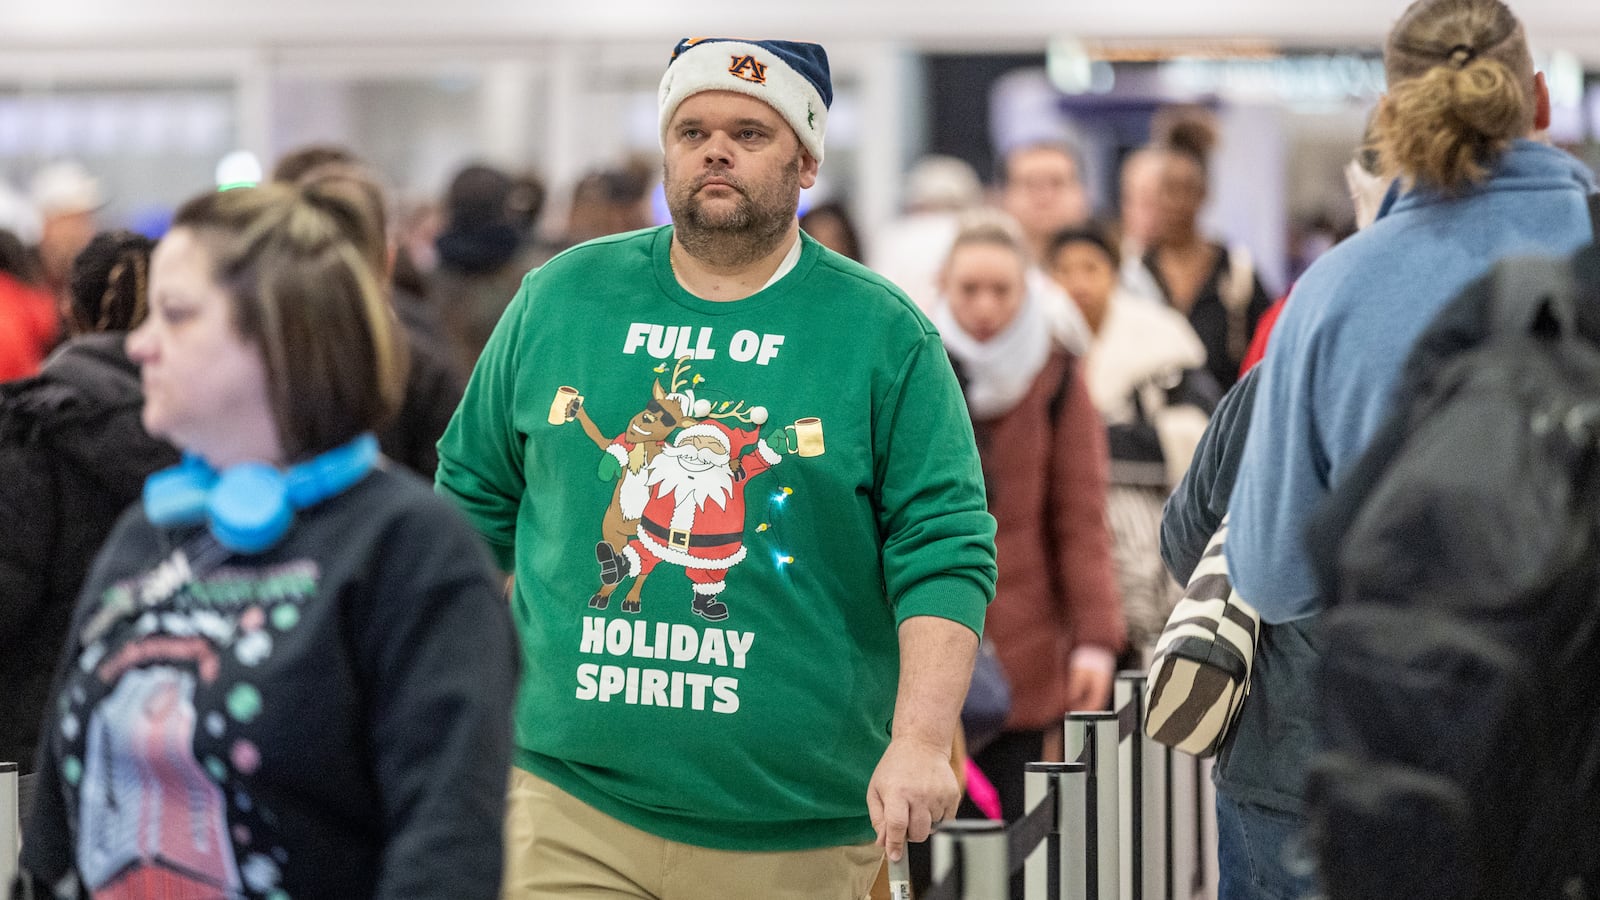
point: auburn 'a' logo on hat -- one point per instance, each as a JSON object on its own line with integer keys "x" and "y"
{"x": 748, "y": 68}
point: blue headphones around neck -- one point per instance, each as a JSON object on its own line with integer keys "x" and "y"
{"x": 249, "y": 507}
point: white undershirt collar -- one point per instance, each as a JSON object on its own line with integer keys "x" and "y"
{"x": 790, "y": 260}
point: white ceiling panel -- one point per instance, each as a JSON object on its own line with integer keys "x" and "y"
{"x": 1574, "y": 24}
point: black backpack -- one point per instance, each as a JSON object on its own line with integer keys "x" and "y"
{"x": 1459, "y": 714}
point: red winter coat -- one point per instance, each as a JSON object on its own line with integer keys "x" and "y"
{"x": 1258, "y": 343}
{"x": 1051, "y": 595}
{"x": 28, "y": 328}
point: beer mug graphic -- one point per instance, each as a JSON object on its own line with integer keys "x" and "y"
{"x": 805, "y": 436}
{"x": 561, "y": 410}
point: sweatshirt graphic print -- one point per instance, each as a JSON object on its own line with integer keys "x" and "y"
{"x": 328, "y": 718}
{"x": 155, "y": 730}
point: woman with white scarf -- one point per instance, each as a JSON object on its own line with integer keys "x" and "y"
{"x": 1055, "y": 623}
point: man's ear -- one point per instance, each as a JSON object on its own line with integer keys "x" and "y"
{"x": 808, "y": 170}
{"x": 1541, "y": 102}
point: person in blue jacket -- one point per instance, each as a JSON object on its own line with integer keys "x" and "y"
{"x": 1459, "y": 127}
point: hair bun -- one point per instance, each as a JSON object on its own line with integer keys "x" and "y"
{"x": 1187, "y": 130}
{"x": 1460, "y": 90}
{"x": 1486, "y": 98}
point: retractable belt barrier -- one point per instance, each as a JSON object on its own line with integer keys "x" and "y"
{"x": 1127, "y": 819}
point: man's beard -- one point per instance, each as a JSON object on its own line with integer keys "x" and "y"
{"x": 668, "y": 476}
{"x": 750, "y": 230}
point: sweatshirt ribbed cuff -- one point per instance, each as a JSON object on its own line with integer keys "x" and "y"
{"x": 948, "y": 597}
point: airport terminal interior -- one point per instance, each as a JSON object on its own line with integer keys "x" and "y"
{"x": 152, "y": 100}
{"x": 331, "y": 329}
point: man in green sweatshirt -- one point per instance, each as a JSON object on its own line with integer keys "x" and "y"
{"x": 734, "y": 478}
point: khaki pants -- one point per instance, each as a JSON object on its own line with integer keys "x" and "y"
{"x": 559, "y": 847}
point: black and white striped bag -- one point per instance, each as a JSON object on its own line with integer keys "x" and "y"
{"x": 1200, "y": 673}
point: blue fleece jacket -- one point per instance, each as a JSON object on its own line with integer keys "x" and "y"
{"x": 1337, "y": 350}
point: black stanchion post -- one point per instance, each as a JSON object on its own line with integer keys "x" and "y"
{"x": 977, "y": 848}
{"x": 1128, "y": 700}
{"x": 1168, "y": 846}
{"x": 1092, "y": 739}
{"x": 1199, "y": 826}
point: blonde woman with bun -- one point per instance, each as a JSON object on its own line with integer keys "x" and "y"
{"x": 1459, "y": 127}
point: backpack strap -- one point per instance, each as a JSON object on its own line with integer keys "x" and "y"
{"x": 1058, "y": 398}
{"x": 1056, "y": 409}
{"x": 1534, "y": 292}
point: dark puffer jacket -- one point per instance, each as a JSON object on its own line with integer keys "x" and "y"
{"x": 73, "y": 456}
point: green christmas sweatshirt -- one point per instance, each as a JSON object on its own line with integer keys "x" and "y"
{"x": 717, "y": 513}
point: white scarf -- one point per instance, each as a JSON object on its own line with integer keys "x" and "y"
{"x": 1000, "y": 370}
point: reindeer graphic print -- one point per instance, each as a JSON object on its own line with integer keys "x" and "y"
{"x": 631, "y": 451}
{"x": 682, "y": 466}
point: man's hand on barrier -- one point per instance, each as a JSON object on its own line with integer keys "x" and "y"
{"x": 912, "y": 790}
{"x": 913, "y": 787}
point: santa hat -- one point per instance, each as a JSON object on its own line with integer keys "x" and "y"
{"x": 789, "y": 76}
{"x": 735, "y": 439}
{"x": 696, "y": 409}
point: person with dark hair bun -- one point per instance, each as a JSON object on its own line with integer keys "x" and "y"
{"x": 1459, "y": 127}
{"x": 1213, "y": 284}
{"x": 74, "y": 456}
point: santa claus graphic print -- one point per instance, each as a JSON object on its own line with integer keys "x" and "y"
{"x": 694, "y": 514}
